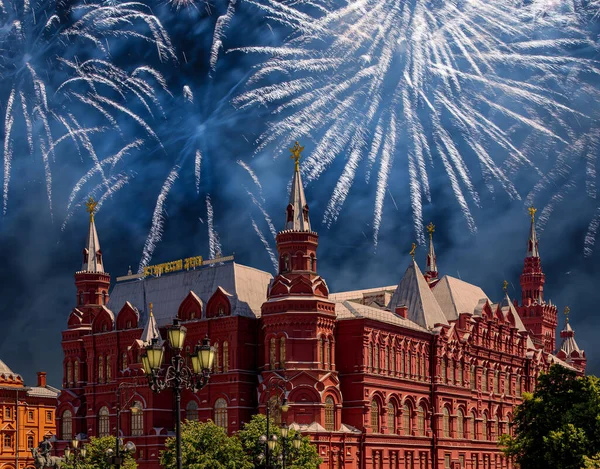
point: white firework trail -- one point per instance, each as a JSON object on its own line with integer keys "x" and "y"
{"x": 214, "y": 244}
{"x": 187, "y": 94}
{"x": 219, "y": 33}
{"x": 419, "y": 82}
{"x": 198, "y": 169}
{"x": 253, "y": 176}
{"x": 266, "y": 244}
{"x": 158, "y": 219}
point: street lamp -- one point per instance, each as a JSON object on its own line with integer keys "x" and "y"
{"x": 115, "y": 456}
{"x": 77, "y": 452}
{"x": 279, "y": 386}
{"x": 117, "y": 459}
{"x": 177, "y": 375}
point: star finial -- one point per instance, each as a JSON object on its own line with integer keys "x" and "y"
{"x": 505, "y": 286}
{"x": 431, "y": 229}
{"x": 91, "y": 207}
{"x": 532, "y": 211}
{"x": 296, "y": 150}
{"x": 412, "y": 251}
{"x": 567, "y": 311}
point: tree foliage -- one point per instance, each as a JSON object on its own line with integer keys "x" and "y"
{"x": 306, "y": 457}
{"x": 96, "y": 457}
{"x": 205, "y": 445}
{"x": 559, "y": 425}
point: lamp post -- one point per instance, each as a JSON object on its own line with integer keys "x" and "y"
{"x": 177, "y": 375}
{"x": 76, "y": 451}
{"x": 279, "y": 386}
{"x": 115, "y": 457}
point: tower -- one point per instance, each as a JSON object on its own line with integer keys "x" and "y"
{"x": 298, "y": 320}
{"x": 539, "y": 317}
{"x": 569, "y": 350}
{"x": 431, "y": 273}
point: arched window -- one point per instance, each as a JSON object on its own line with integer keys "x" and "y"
{"x": 518, "y": 386}
{"x": 472, "y": 428}
{"x": 69, "y": 374}
{"x": 282, "y": 352}
{"x": 484, "y": 427}
{"x": 327, "y": 353}
{"x": 423, "y": 368}
{"x": 108, "y": 369}
{"x": 80, "y": 297}
{"x": 76, "y": 372}
{"x": 216, "y": 360}
{"x": 191, "y": 411}
{"x": 376, "y": 359}
{"x": 409, "y": 370}
{"x": 67, "y": 425}
{"x": 446, "y": 422}
{"x": 137, "y": 419}
{"x": 225, "y": 357}
{"x": 386, "y": 359}
{"x": 459, "y": 366}
{"x": 104, "y": 298}
{"x": 221, "y": 413}
{"x": 391, "y": 418}
{"x": 402, "y": 363}
{"x": 329, "y": 414}
{"x": 393, "y": 360}
{"x": 272, "y": 353}
{"x": 322, "y": 351}
{"x": 101, "y": 369}
{"x": 444, "y": 365}
{"x": 460, "y": 424}
{"x": 496, "y": 382}
{"x": 375, "y": 417}
{"x": 312, "y": 263}
{"x": 369, "y": 357}
{"x": 484, "y": 380}
{"x": 286, "y": 263}
{"x": 103, "y": 422}
{"x": 406, "y": 419}
{"x": 473, "y": 378}
{"x": 451, "y": 371}
{"x": 421, "y": 420}
{"x": 124, "y": 361}
{"x": 30, "y": 443}
{"x": 418, "y": 371}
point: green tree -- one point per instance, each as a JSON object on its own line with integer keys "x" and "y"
{"x": 558, "y": 426}
{"x": 306, "y": 457}
{"x": 96, "y": 457}
{"x": 204, "y": 445}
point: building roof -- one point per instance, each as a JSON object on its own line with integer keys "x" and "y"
{"x": 568, "y": 344}
{"x": 359, "y": 294}
{"x": 507, "y": 304}
{"x": 298, "y": 201}
{"x": 7, "y": 373}
{"x": 48, "y": 391}
{"x": 456, "y": 296}
{"x": 353, "y": 310}
{"x": 532, "y": 245}
{"x": 248, "y": 287}
{"x": 414, "y": 292}
{"x": 92, "y": 263}
{"x": 150, "y": 331}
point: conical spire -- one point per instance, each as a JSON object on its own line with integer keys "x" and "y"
{"x": 151, "y": 330}
{"x": 297, "y": 210}
{"x": 92, "y": 256}
{"x": 568, "y": 344}
{"x": 431, "y": 272}
{"x": 532, "y": 246}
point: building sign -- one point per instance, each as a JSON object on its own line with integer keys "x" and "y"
{"x": 175, "y": 266}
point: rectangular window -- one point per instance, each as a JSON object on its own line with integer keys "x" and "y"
{"x": 30, "y": 415}
{"x": 49, "y": 416}
{"x": 447, "y": 461}
{"x": 461, "y": 460}
{"x": 7, "y": 413}
{"x": 8, "y": 441}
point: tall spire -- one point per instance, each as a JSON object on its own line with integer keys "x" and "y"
{"x": 431, "y": 271}
{"x": 532, "y": 245}
{"x": 151, "y": 330}
{"x": 297, "y": 210}
{"x": 569, "y": 350}
{"x": 92, "y": 256}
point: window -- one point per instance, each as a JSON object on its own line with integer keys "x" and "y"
{"x": 221, "y": 413}
{"x": 460, "y": 374}
{"x": 369, "y": 355}
{"x": 103, "y": 422}
{"x": 128, "y": 324}
{"x": 282, "y": 352}
{"x": 376, "y": 359}
{"x": 101, "y": 369}
{"x": 375, "y": 417}
{"x": 124, "y": 364}
{"x": 312, "y": 262}
{"x": 472, "y": 432}
{"x": 386, "y": 360}
{"x": 30, "y": 415}
{"x": 191, "y": 411}
{"x": 69, "y": 374}
{"x": 103, "y": 297}
{"x": 76, "y": 372}
{"x": 322, "y": 351}
{"x": 80, "y": 297}
{"x": 406, "y": 419}
{"x": 421, "y": 420}
{"x": 216, "y": 360}
{"x": 447, "y": 461}
{"x": 518, "y": 386}
{"x": 484, "y": 429}
{"x": 409, "y": 370}
{"x": 496, "y": 383}
{"x": 7, "y": 412}
{"x": 48, "y": 416}
{"x": 137, "y": 419}
{"x": 444, "y": 366}
{"x": 30, "y": 442}
{"x": 67, "y": 425}
{"x": 8, "y": 441}
{"x": 272, "y": 354}
{"x": 402, "y": 364}
{"x": 108, "y": 369}
{"x": 391, "y": 418}
{"x": 327, "y": 353}
{"x": 473, "y": 378}
{"x": 329, "y": 414}
{"x": 418, "y": 371}
{"x": 446, "y": 422}
{"x": 451, "y": 371}
{"x": 225, "y": 357}
{"x": 393, "y": 361}
{"x": 460, "y": 424}
{"x": 484, "y": 380}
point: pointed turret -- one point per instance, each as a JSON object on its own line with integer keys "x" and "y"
{"x": 151, "y": 330}
{"x": 92, "y": 281}
{"x": 539, "y": 317}
{"x": 569, "y": 350}
{"x": 431, "y": 273}
{"x": 92, "y": 256}
{"x": 296, "y": 216}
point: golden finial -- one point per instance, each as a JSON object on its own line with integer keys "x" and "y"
{"x": 567, "y": 311}
{"x": 505, "y": 286}
{"x": 150, "y": 305}
{"x": 412, "y": 251}
{"x": 431, "y": 229}
{"x": 532, "y": 211}
{"x": 91, "y": 207}
{"x": 296, "y": 150}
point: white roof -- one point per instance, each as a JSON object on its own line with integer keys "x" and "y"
{"x": 569, "y": 345}
{"x": 456, "y": 296}
{"x": 352, "y": 310}
{"x": 414, "y": 293}
{"x": 6, "y": 372}
{"x": 359, "y": 294}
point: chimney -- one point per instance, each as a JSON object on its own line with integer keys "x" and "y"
{"x": 402, "y": 311}
{"x": 41, "y": 375}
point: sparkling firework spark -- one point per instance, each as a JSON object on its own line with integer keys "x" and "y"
{"x": 418, "y": 82}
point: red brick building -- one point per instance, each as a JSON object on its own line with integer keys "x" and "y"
{"x": 423, "y": 374}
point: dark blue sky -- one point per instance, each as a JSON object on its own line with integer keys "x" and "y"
{"x": 38, "y": 258}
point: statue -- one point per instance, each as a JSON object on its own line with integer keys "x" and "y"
{"x": 42, "y": 457}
